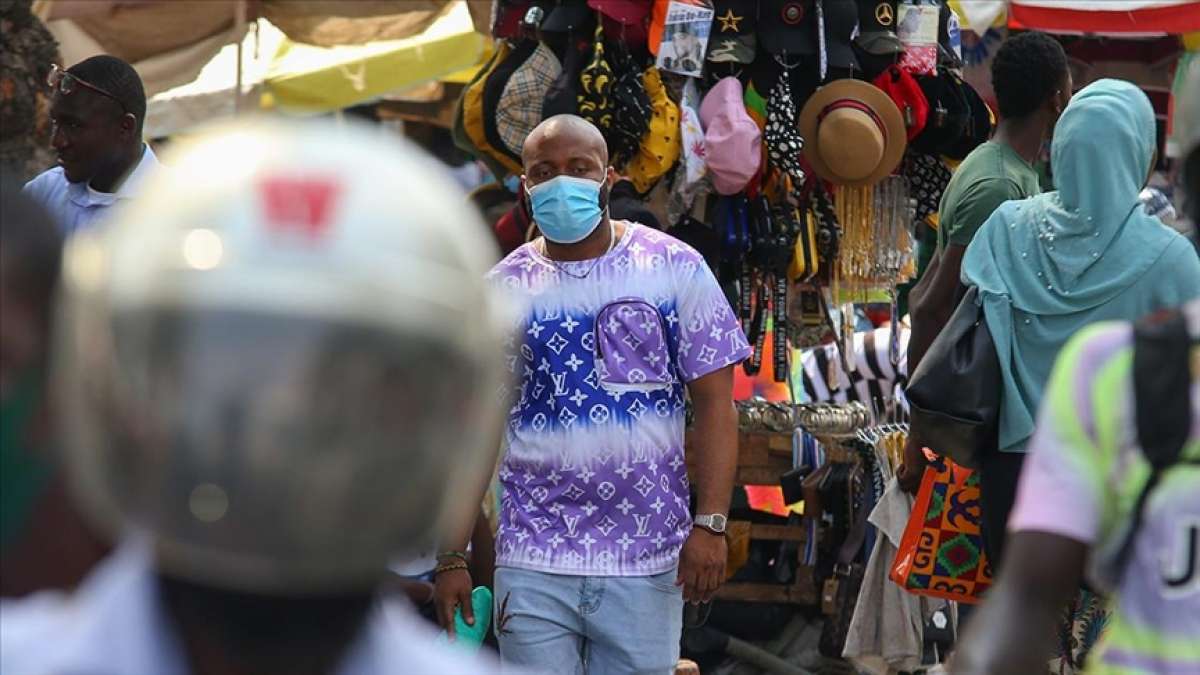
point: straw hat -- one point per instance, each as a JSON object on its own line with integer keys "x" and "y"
{"x": 853, "y": 133}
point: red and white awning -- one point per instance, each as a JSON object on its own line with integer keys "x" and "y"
{"x": 1107, "y": 17}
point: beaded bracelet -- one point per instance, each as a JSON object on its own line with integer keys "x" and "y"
{"x": 449, "y": 568}
{"x": 453, "y": 554}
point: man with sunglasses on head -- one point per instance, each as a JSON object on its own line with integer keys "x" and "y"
{"x": 97, "y": 110}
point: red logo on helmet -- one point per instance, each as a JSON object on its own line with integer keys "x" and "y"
{"x": 299, "y": 204}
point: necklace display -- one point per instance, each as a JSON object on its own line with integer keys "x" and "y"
{"x": 876, "y": 246}
{"x": 612, "y": 243}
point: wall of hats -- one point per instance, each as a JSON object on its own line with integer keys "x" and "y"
{"x": 801, "y": 145}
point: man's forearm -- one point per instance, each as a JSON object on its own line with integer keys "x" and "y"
{"x": 715, "y": 450}
{"x": 1013, "y": 631}
{"x": 458, "y": 534}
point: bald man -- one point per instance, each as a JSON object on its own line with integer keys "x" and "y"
{"x": 597, "y": 548}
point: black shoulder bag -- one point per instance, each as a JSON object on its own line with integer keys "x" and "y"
{"x": 955, "y": 392}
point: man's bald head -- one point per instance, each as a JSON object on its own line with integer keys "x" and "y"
{"x": 567, "y": 129}
{"x": 565, "y": 145}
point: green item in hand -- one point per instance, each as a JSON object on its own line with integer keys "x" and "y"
{"x": 470, "y": 637}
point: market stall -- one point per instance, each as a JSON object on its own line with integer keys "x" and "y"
{"x": 802, "y": 146}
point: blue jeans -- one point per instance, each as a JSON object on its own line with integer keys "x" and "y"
{"x": 588, "y": 625}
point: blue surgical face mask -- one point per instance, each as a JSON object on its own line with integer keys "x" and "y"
{"x": 566, "y": 208}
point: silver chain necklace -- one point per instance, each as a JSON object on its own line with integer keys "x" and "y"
{"x": 612, "y": 243}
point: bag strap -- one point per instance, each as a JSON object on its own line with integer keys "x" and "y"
{"x": 1162, "y": 385}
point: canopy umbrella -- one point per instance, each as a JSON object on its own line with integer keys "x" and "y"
{"x": 1112, "y": 17}
{"x": 169, "y": 41}
{"x": 214, "y": 94}
{"x": 306, "y": 78}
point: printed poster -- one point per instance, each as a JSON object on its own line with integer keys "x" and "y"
{"x": 917, "y": 27}
{"x": 685, "y": 37}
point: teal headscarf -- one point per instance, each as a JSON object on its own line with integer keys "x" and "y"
{"x": 1042, "y": 263}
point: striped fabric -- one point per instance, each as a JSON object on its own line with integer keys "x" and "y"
{"x": 873, "y": 379}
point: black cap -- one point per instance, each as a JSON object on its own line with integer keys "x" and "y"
{"x": 979, "y": 123}
{"x": 788, "y": 26}
{"x": 877, "y": 27}
{"x": 949, "y": 114}
{"x": 841, "y": 18}
{"x": 569, "y": 16}
{"x": 563, "y": 96}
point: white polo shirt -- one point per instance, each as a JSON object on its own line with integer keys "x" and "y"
{"x": 114, "y": 624}
{"x": 76, "y": 206}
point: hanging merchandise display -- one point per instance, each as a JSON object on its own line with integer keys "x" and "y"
{"x": 732, "y": 39}
{"x": 783, "y": 139}
{"x": 595, "y": 87}
{"x": 854, "y": 134}
{"x": 661, "y": 144}
{"x": 631, "y": 107}
{"x": 917, "y": 28}
{"x": 877, "y": 245}
{"x": 685, "y": 34}
{"x": 733, "y": 140}
{"x": 520, "y": 107}
{"x": 801, "y": 149}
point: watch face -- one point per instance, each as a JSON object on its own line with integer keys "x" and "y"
{"x": 718, "y": 522}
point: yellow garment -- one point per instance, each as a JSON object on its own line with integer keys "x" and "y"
{"x": 472, "y": 106}
{"x": 661, "y": 146}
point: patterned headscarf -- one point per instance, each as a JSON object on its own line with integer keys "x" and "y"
{"x": 783, "y": 139}
{"x": 596, "y": 84}
{"x": 927, "y": 178}
{"x": 631, "y": 107}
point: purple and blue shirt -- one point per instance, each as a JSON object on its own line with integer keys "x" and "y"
{"x": 593, "y": 476}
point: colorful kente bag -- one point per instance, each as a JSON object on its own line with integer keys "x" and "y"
{"x": 941, "y": 553}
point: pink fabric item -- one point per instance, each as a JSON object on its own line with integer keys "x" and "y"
{"x": 733, "y": 140}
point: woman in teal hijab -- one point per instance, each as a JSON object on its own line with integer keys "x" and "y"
{"x": 1049, "y": 265}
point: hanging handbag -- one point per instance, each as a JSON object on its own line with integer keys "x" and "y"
{"x": 954, "y": 394}
{"x": 941, "y": 552}
{"x": 839, "y": 592}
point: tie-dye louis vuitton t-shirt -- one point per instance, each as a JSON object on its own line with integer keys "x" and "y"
{"x": 594, "y": 477}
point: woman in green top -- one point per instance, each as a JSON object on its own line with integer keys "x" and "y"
{"x": 1049, "y": 265}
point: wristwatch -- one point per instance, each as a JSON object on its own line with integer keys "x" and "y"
{"x": 713, "y": 522}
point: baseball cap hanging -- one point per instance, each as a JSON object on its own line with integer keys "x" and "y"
{"x": 660, "y": 146}
{"x": 840, "y": 23}
{"x": 877, "y": 28}
{"x": 624, "y": 20}
{"x": 509, "y": 15}
{"x": 904, "y": 91}
{"x": 569, "y": 16}
{"x": 854, "y": 134}
{"x": 520, "y": 106}
{"x": 783, "y": 140}
{"x": 493, "y": 88}
{"x": 732, "y": 37}
{"x": 788, "y": 27}
{"x": 979, "y": 123}
{"x": 595, "y": 87}
{"x": 949, "y": 113}
{"x": 733, "y": 140}
{"x": 563, "y": 96}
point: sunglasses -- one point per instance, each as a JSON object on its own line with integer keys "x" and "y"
{"x": 64, "y": 83}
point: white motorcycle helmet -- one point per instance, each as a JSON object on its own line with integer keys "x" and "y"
{"x": 282, "y": 360}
